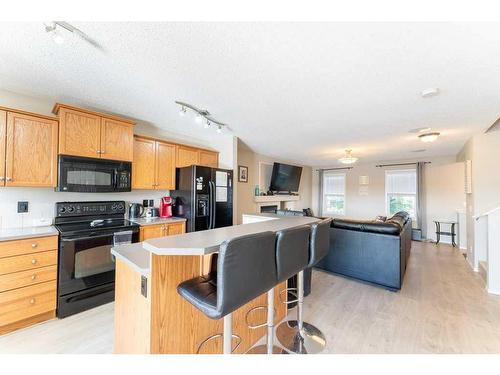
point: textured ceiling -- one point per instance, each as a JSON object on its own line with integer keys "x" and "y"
{"x": 298, "y": 91}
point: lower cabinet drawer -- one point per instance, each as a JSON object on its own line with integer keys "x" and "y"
{"x": 26, "y": 278}
{"x": 28, "y": 262}
{"x": 22, "y": 303}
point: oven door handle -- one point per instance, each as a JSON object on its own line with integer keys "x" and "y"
{"x": 73, "y": 239}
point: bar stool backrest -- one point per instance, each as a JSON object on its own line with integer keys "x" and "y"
{"x": 292, "y": 251}
{"x": 320, "y": 241}
{"x": 246, "y": 268}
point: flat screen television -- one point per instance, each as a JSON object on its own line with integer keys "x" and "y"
{"x": 285, "y": 178}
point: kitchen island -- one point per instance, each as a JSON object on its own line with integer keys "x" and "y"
{"x": 151, "y": 317}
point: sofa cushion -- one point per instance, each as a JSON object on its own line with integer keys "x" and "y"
{"x": 387, "y": 227}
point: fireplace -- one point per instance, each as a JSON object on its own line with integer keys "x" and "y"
{"x": 270, "y": 209}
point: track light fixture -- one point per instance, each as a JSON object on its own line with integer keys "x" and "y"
{"x": 201, "y": 114}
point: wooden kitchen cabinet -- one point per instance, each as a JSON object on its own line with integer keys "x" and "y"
{"x": 28, "y": 282}
{"x": 186, "y": 156}
{"x": 153, "y": 164}
{"x": 28, "y": 149}
{"x": 165, "y": 166}
{"x": 93, "y": 134}
{"x": 208, "y": 158}
{"x": 79, "y": 133}
{"x": 148, "y": 232}
{"x": 117, "y": 140}
{"x": 3, "y": 143}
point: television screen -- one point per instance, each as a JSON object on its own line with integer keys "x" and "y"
{"x": 285, "y": 177}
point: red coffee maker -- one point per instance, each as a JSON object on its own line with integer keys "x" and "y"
{"x": 166, "y": 207}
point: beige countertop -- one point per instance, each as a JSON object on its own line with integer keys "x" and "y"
{"x": 156, "y": 220}
{"x": 200, "y": 243}
{"x": 9, "y": 234}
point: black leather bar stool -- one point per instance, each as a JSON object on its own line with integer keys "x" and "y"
{"x": 246, "y": 268}
{"x": 292, "y": 255}
{"x": 298, "y": 336}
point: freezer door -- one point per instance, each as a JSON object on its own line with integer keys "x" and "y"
{"x": 223, "y": 196}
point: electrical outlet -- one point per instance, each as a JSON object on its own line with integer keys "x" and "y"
{"x": 22, "y": 207}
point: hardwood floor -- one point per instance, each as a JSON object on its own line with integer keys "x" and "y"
{"x": 442, "y": 308}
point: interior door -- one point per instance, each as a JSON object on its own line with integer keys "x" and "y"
{"x": 31, "y": 152}
{"x": 79, "y": 133}
{"x": 165, "y": 166}
{"x": 117, "y": 140}
{"x": 143, "y": 165}
{"x": 3, "y": 140}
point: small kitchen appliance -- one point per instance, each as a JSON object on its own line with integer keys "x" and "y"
{"x": 166, "y": 207}
{"x": 135, "y": 210}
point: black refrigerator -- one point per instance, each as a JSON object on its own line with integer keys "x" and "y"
{"x": 204, "y": 196}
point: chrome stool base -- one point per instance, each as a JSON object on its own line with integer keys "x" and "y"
{"x": 262, "y": 349}
{"x": 308, "y": 340}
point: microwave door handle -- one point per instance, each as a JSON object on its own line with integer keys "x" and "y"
{"x": 115, "y": 179}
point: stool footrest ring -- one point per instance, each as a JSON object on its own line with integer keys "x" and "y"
{"x": 255, "y": 309}
{"x": 294, "y": 291}
{"x": 213, "y": 337}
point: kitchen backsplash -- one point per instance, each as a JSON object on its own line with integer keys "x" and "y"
{"x": 42, "y": 202}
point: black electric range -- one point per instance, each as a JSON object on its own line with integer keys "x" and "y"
{"x": 87, "y": 232}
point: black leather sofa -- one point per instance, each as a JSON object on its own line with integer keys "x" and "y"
{"x": 372, "y": 251}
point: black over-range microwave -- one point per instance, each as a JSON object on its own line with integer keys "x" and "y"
{"x": 88, "y": 175}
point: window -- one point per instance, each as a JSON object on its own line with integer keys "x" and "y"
{"x": 333, "y": 193}
{"x": 401, "y": 191}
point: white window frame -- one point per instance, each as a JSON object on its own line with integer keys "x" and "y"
{"x": 387, "y": 205}
{"x": 323, "y": 208}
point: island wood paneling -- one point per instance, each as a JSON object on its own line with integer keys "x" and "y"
{"x": 132, "y": 313}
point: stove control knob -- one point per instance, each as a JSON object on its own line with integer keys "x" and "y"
{"x": 113, "y": 207}
{"x": 71, "y": 209}
{"x": 120, "y": 206}
{"x": 62, "y": 210}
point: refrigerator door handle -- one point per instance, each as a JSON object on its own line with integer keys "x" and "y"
{"x": 214, "y": 200}
{"x": 210, "y": 205}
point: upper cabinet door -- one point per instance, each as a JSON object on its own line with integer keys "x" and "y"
{"x": 209, "y": 158}
{"x": 3, "y": 140}
{"x": 143, "y": 165}
{"x": 186, "y": 156}
{"x": 79, "y": 133}
{"x": 31, "y": 153}
{"x": 165, "y": 166}
{"x": 117, "y": 140}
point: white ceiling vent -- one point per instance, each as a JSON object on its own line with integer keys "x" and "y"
{"x": 494, "y": 127}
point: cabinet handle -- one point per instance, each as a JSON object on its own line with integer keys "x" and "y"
{"x": 33, "y": 277}
{"x": 33, "y": 245}
{"x": 33, "y": 261}
{"x": 98, "y": 151}
{"x": 8, "y": 179}
{"x": 2, "y": 178}
{"x": 32, "y": 301}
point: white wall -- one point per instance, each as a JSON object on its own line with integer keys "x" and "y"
{"x": 42, "y": 200}
{"x": 484, "y": 151}
{"x": 444, "y": 185}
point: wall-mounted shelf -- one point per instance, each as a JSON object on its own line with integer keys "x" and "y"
{"x": 276, "y": 198}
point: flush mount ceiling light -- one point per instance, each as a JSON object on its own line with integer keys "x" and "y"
{"x": 420, "y": 130}
{"x": 429, "y": 137}
{"x": 59, "y": 31}
{"x": 430, "y": 92}
{"x": 348, "y": 158}
{"x": 202, "y": 114}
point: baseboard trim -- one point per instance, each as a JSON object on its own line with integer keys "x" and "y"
{"x": 492, "y": 291}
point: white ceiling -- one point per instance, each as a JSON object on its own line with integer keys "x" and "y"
{"x": 297, "y": 91}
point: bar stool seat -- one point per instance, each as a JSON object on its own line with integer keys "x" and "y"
{"x": 246, "y": 268}
{"x": 201, "y": 292}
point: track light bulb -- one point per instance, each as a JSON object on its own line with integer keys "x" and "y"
{"x": 182, "y": 112}
{"x": 219, "y": 129}
{"x": 198, "y": 118}
{"x": 207, "y": 124}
